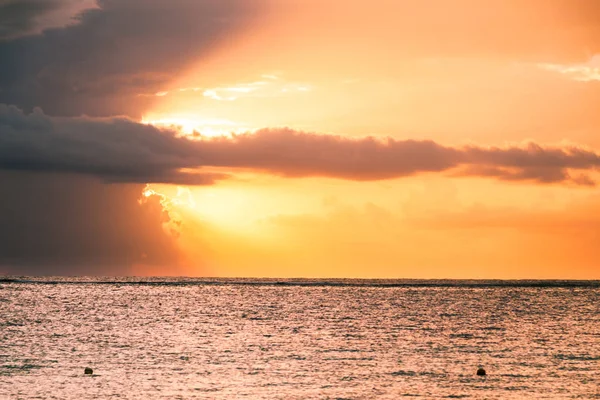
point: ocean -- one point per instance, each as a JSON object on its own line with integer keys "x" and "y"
{"x": 298, "y": 339}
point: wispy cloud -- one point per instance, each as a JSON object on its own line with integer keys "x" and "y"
{"x": 584, "y": 72}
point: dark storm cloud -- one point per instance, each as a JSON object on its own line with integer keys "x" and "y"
{"x": 101, "y": 64}
{"x": 114, "y": 149}
{"x": 18, "y": 17}
{"x": 121, "y": 150}
{"x": 72, "y": 225}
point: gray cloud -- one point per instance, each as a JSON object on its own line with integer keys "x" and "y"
{"x": 536, "y": 174}
{"x": 113, "y": 149}
{"x": 101, "y": 64}
{"x": 53, "y": 224}
{"x": 18, "y": 17}
{"x": 122, "y": 150}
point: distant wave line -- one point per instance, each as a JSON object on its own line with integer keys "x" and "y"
{"x": 387, "y": 283}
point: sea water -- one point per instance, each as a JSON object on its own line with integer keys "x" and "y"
{"x": 298, "y": 339}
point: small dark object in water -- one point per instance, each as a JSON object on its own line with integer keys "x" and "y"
{"x": 88, "y": 371}
{"x": 481, "y": 372}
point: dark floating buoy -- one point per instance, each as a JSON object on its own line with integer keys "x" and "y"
{"x": 88, "y": 371}
{"x": 481, "y": 372}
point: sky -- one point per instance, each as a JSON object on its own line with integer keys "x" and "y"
{"x": 300, "y": 138}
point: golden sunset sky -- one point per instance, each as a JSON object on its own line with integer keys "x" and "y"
{"x": 381, "y": 139}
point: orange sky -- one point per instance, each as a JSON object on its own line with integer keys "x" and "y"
{"x": 484, "y": 163}
{"x": 457, "y": 73}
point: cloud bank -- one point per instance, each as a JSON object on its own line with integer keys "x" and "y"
{"x": 113, "y": 53}
{"x": 122, "y": 150}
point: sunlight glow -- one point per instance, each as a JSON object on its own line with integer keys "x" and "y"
{"x": 169, "y": 204}
{"x": 210, "y": 127}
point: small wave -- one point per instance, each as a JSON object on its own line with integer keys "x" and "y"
{"x": 404, "y": 373}
{"x": 207, "y": 390}
{"x": 461, "y": 335}
{"x": 8, "y": 370}
{"x": 12, "y": 323}
{"x": 576, "y": 357}
{"x": 515, "y": 376}
{"x": 519, "y": 388}
{"x": 339, "y": 351}
{"x": 493, "y": 328}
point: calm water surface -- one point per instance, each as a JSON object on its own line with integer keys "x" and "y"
{"x": 227, "y": 339}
